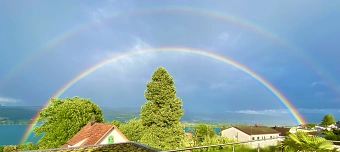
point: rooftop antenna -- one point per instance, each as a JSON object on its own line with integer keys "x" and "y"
{"x": 92, "y": 120}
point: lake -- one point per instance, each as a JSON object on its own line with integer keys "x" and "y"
{"x": 12, "y": 134}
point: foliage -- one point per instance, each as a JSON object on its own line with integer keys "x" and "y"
{"x": 62, "y": 119}
{"x": 223, "y": 127}
{"x": 2, "y": 148}
{"x": 287, "y": 134}
{"x": 302, "y": 141}
{"x": 161, "y": 114}
{"x": 28, "y": 146}
{"x": 328, "y": 120}
{"x": 333, "y": 135}
{"x": 10, "y": 148}
{"x": 132, "y": 129}
{"x": 310, "y": 126}
{"x": 115, "y": 122}
{"x": 202, "y": 132}
{"x": 128, "y": 147}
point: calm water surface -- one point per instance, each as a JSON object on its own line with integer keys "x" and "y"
{"x": 12, "y": 134}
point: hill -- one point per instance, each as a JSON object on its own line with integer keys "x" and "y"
{"x": 17, "y": 114}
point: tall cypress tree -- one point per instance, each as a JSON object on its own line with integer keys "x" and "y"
{"x": 162, "y": 112}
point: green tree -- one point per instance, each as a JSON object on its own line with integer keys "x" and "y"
{"x": 132, "y": 129}
{"x": 117, "y": 123}
{"x": 310, "y": 126}
{"x": 28, "y": 146}
{"x": 62, "y": 119}
{"x": 328, "y": 120}
{"x": 162, "y": 112}
{"x": 202, "y": 132}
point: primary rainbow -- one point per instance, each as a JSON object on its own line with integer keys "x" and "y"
{"x": 211, "y": 13}
{"x": 245, "y": 69}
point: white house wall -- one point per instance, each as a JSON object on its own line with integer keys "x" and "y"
{"x": 267, "y": 141}
{"x": 77, "y": 144}
{"x": 233, "y": 133}
{"x": 117, "y": 137}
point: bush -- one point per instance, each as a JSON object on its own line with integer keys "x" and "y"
{"x": 10, "y": 148}
{"x": 128, "y": 147}
{"x": 2, "y": 148}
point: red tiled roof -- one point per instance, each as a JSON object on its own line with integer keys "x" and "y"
{"x": 189, "y": 134}
{"x": 92, "y": 133}
{"x": 256, "y": 130}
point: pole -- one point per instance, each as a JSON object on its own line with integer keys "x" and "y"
{"x": 258, "y": 147}
{"x": 233, "y": 148}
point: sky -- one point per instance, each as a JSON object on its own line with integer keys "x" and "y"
{"x": 44, "y": 44}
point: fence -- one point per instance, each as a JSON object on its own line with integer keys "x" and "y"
{"x": 183, "y": 149}
{"x": 232, "y": 144}
{"x": 220, "y": 145}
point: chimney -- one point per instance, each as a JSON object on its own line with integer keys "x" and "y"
{"x": 92, "y": 120}
{"x": 255, "y": 125}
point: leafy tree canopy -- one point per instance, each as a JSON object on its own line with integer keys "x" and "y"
{"x": 117, "y": 123}
{"x": 328, "y": 120}
{"x": 202, "y": 132}
{"x": 63, "y": 118}
{"x": 132, "y": 129}
{"x": 161, "y": 114}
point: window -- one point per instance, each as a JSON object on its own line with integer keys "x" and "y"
{"x": 258, "y": 138}
{"x": 110, "y": 139}
{"x": 271, "y": 137}
{"x": 253, "y": 138}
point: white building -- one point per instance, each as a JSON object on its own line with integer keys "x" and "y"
{"x": 268, "y": 136}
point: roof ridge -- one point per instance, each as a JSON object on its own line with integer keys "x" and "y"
{"x": 112, "y": 126}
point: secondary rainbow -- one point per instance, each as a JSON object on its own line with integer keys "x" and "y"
{"x": 211, "y": 13}
{"x": 224, "y": 59}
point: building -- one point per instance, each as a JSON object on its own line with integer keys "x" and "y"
{"x": 96, "y": 134}
{"x": 266, "y": 135}
{"x": 189, "y": 134}
{"x": 283, "y": 131}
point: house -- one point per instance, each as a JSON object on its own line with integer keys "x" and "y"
{"x": 318, "y": 128}
{"x": 266, "y": 135}
{"x": 282, "y": 130}
{"x": 96, "y": 134}
{"x": 189, "y": 134}
{"x": 329, "y": 128}
{"x": 302, "y": 126}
